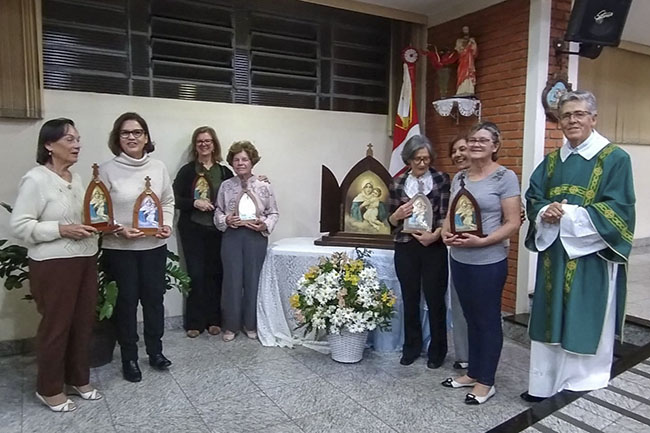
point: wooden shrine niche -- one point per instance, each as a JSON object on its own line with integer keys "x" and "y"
{"x": 356, "y": 213}
{"x": 465, "y": 213}
{"x": 98, "y": 207}
{"x": 147, "y": 211}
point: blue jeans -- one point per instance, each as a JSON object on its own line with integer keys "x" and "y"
{"x": 479, "y": 289}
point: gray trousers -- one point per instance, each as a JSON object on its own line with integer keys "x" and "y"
{"x": 459, "y": 325}
{"x": 242, "y": 253}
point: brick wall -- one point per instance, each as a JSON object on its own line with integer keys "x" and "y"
{"x": 560, "y": 12}
{"x": 501, "y": 32}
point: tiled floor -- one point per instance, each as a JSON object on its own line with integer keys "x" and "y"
{"x": 638, "y": 297}
{"x": 623, "y": 407}
{"x": 243, "y": 387}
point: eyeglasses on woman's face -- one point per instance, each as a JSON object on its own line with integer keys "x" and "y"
{"x": 137, "y": 133}
{"x": 206, "y": 141}
{"x": 483, "y": 141}
{"x": 422, "y": 160}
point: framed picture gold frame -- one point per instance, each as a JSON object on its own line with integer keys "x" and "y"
{"x": 147, "y": 211}
{"x": 421, "y": 220}
{"x": 202, "y": 187}
{"x": 98, "y": 207}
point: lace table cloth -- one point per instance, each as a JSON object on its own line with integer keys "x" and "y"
{"x": 286, "y": 261}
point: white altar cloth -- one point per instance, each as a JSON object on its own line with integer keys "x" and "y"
{"x": 286, "y": 261}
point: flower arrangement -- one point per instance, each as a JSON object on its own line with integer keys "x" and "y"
{"x": 342, "y": 293}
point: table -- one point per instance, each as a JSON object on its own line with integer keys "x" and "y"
{"x": 286, "y": 261}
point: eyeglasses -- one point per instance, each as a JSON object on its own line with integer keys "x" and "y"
{"x": 208, "y": 141}
{"x": 578, "y": 115}
{"x": 420, "y": 160}
{"x": 137, "y": 133}
{"x": 482, "y": 141}
{"x": 71, "y": 138}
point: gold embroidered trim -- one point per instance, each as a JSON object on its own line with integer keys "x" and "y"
{"x": 597, "y": 175}
{"x": 569, "y": 274}
{"x": 615, "y": 220}
{"x": 576, "y": 190}
{"x": 548, "y": 289}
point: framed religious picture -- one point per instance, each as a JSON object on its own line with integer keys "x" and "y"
{"x": 465, "y": 213}
{"x": 147, "y": 211}
{"x": 551, "y": 95}
{"x": 98, "y": 208}
{"x": 201, "y": 187}
{"x": 247, "y": 208}
{"x": 355, "y": 213}
{"x": 421, "y": 220}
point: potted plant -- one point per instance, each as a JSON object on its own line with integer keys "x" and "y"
{"x": 14, "y": 269}
{"x": 344, "y": 298}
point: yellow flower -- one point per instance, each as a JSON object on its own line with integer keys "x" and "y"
{"x": 350, "y": 277}
{"x": 392, "y": 301}
{"x": 294, "y": 300}
{"x": 312, "y": 273}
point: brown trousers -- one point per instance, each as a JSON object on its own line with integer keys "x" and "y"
{"x": 65, "y": 291}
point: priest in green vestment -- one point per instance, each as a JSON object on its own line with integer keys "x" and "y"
{"x": 581, "y": 209}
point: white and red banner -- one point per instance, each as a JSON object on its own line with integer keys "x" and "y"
{"x": 406, "y": 120}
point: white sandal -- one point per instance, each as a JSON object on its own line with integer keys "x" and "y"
{"x": 93, "y": 394}
{"x": 68, "y": 406}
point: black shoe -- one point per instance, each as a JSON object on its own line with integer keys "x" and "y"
{"x": 131, "y": 371}
{"x": 461, "y": 365}
{"x": 159, "y": 362}
{"x": 434, "y": 364}
{"x": 531, "y": 398}
{"x": 408, "y": 360}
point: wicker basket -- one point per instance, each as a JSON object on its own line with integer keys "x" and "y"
{"x": 347, "y": 347}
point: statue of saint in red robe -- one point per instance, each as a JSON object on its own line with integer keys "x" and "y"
{"x": 466, "y": 72}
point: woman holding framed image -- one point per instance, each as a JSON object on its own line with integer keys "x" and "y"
{"x": 478, "y": 261}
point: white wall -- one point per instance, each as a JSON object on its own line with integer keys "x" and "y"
{"x": 640, "y": 155}
{"x": 293, "y": 144}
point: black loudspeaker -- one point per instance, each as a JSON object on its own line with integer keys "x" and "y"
{"x": 598, "y": 22}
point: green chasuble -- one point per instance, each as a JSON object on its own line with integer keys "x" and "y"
{"x": 571, "y": 295}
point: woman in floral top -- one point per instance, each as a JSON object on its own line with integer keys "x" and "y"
{"x": 246, "y": 212}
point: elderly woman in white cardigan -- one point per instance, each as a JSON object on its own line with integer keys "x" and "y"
{"x": 62, "y": 265}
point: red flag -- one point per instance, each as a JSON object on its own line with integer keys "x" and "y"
{"x": 406, "y": 120}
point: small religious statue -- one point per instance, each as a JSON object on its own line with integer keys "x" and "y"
{"x": 247, "y": 208}
{"x": 147, "y": 211}
{"x": 441, "y": 60}
{"x": 98, "y": 208}
{"x": 466, "y": 71}
{"x": 421, "y": 220}
{"x": 465, "y": 212}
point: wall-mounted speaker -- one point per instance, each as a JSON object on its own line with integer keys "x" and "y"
{"x": 598, "y": 22}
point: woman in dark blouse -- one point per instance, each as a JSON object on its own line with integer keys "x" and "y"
{"x": 195, "y": 189}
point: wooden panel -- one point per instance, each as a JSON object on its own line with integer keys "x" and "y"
{"x": 20, "y": 63}
{"x": 622, "y": 90}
